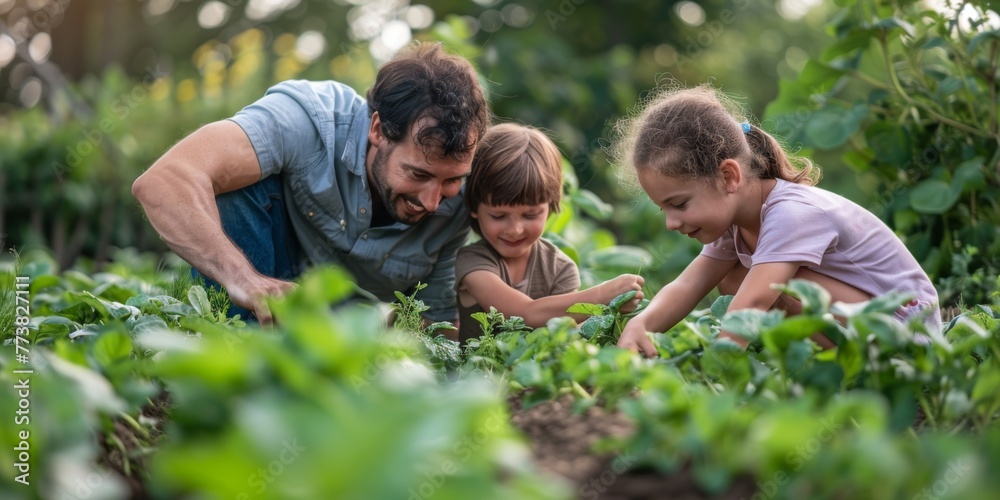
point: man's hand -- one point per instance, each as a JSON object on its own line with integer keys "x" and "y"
{"x": 252, "y": 294}
{"x": 634, "y": 338}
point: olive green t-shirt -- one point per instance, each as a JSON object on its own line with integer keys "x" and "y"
{"x": 549, "y": 272}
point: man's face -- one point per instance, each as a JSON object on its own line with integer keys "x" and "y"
{"x": 409, "y": 182}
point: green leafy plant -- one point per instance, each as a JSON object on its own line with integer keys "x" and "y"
{"x": 444, "y": 353}
{"x": 605, "y": 324}
{"x": 912, "y": 94}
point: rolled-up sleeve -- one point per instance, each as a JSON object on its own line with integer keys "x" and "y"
{"x": 281, "y": 131}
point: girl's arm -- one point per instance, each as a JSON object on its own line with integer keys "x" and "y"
{"x": 675, "y": 301}
{"x": 491, "y": 291}
{"x": 756, "y": 291}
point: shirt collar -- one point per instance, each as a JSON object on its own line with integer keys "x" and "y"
{"x": 357, "y": 137}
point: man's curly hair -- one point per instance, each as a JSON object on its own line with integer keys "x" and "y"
{"x": 421, "y": 81}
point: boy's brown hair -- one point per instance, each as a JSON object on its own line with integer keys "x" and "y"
{"x": 514, "y": 165}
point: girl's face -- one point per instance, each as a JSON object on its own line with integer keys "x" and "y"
{"x": 694, "y": 208}
{"x": 512, "y": 229}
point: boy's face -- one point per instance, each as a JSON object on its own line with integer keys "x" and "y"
{"x": 512, "y": 229}
{"x": 693, "y": 208}
{"x": 410, "y": 182}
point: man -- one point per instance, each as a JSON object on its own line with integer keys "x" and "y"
{"x": 311, "y": 173}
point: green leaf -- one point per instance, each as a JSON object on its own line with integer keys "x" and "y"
{"x": 956, "y": 404}
{"x": 78, "y": 280}
{"x": 121, "y": 311}
{"x": 565, "y": 246}
{"x": 890, "y": 143}
{"x": 177, "y": 309}
{"x": 857, "y": 160}
{"x": 830, "y": 127}
{"x": 90, "y": 330}
{"x": 619, "y": 258}
{"x": 855, "y": 40}
{"x": 949, "y": 86}
{"x": 850, "y": 359}
{"x": 983, "y": 37}
{"x": 887, "y": 330}
{"x": 145, "y": 323}
{"x": 796, "y": 356}
{"x": 815, "y": 299}
{"x": 617, "y": 302}
{"x": 528, "y": 373}
{"x": 440, "y": 325}
{"x": 729, "y": 363}
{"x": 588, "y": 309}
{"x": 933, "y": 197}
{"x": 199, "y": 300}
{"x": 892, "y": 23}
{"x": 793, "y": 329}
{"x": 591, "y": 204}
{"x": 987, "y": 386}
{"x": 57, "y": 325}
{"x": 721, "y": 305}
{"x": 819, "y": 76}
{"x": 596, "y": 325}
{"x": 99, "y": 306}
{"x": 558, "y": 222}
{"x": 42, "y": 281}
{"x": 749, "y": 323}
{"x": 968, "y": 176}
{"x": 112, "y": 347}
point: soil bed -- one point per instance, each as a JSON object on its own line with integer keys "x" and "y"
{"x": 562, "y": 445}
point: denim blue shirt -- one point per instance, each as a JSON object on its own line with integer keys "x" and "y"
{"x": 315, "y": 134}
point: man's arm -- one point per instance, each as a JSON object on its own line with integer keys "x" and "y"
{"x": 178, "y": 194}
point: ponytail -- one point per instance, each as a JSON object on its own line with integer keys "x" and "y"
{"x": 688, "y": 133}
{"x": 769, "y": 160}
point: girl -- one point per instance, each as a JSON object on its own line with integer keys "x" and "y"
{"x": 516, "y": 182}
{"x": 729, "y": 185}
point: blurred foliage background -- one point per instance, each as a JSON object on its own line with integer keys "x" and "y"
{"x": 92, "y": 92}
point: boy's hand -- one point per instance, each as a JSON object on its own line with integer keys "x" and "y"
{"x": 634, "y": 338}
{"x": 624, "y": 283}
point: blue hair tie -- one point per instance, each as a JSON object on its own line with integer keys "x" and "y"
{"x": 746, "y": 127}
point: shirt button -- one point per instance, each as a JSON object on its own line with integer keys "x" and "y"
{"x": 310, "y": 214}
{"x": 364, "y": 211}
{"x": 364, "y": 236}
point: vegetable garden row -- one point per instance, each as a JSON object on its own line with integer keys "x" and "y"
{"x": 142, "y": 387}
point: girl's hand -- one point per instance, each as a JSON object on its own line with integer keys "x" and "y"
{"x": 634, "y": 338}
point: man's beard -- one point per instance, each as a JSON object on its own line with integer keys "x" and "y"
{"x": 390, "y": 201}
